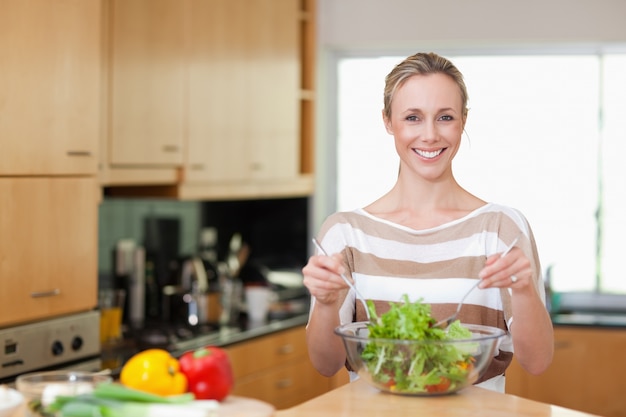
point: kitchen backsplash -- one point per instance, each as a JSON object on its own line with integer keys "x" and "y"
{"x": 125, "y": 219}
{"x": 275, "y": 229}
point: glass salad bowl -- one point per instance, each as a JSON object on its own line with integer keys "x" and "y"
{"x": 41, "y": 388}
{"x": 420, "y": 367}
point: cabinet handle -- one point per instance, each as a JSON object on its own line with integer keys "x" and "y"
{"x": 561, "y": 344}
{"x": 284, "y": 383}
{"x": 285, "y": 349}
{"x": 78, "y": 153}
{"x": 170, "y": 148}
{"x": 42, "y": 294}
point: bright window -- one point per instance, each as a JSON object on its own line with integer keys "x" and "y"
{"x": 545, "y": 134}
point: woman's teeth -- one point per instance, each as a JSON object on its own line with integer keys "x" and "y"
{"x": 428, "y": 154}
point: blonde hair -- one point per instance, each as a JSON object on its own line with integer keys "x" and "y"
{"x": 421, "y": 64}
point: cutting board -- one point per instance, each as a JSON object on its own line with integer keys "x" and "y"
{"x": 234, "y": 406}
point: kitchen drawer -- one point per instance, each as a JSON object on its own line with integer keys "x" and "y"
{"x": 285, "y": 386}
{"x": 585, "y": 374}
{"x": 267, "y": 352}
{"x": 276, "y": 368}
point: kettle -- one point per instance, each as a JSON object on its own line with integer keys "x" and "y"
{"x": 195, "y": 285}
{"x": 191, "y": 301}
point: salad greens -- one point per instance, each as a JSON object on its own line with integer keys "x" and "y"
{"x": 415, "y": 367}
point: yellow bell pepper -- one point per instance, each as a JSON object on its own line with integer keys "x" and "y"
{"x": 154, "y": 371}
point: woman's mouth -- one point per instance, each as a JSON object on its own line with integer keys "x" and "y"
{"x": 429, "y": 154}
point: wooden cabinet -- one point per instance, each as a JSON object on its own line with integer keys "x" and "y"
{"x": 210, "y": 93}
{"x": 276, "y": 369}
{"x": 147, "y": 82}
{"x": 244, "y": 90}
{"x": 48, "y": 247}
{"x": 586, "y": 373}
{"x": 50, "y": 112}
{"x": 50, "y": 69}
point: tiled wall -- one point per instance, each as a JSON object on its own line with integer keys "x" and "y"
{"x": 124, "y": 218}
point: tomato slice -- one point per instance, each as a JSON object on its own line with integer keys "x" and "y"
{"x": 442, "y": 386}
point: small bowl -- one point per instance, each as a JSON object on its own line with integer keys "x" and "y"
{"x": 419, "y": 367}
{"x": 41, "y": 388}
{"x": 10, "y": 401}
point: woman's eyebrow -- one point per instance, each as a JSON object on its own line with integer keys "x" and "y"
{"x": 420, "y": 110}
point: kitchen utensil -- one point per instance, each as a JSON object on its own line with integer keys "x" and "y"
{"x": 347, "y": 281}
{"x": 233, "y": 259}
{"x": 419, "y": 367}
{"x": 446, "y": 322}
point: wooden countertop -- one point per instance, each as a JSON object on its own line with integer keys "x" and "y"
{"x": 359, "y": 399}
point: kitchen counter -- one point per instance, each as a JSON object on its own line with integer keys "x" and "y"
{"x": 359, "y": 399}
{"x": 230, "y": 335}
{"x": 589, "y": 319}
{"x": 114, "y": 356}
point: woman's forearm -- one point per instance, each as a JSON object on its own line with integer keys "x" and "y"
{"x": 533, "y": 335}
{"x": 325, "y": 348}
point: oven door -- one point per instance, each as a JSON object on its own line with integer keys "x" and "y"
{"x": 66, "y": 342}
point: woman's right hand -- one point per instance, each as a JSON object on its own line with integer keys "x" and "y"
{"x": 322, "y": 279}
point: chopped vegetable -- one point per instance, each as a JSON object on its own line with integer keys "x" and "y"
{"x": 209, "y": 372}
{"x": 154, "y": 371}
{"x": 406, "y": 368}
{"x": 115, "y": 400}
{"x": 114, "y": 391}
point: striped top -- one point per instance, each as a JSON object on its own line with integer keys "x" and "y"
{"x": 437, "y": 265}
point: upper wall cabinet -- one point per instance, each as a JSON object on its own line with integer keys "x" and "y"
{"x": 147, "y": 82}
{"x": 50, "y": 77}
{"x": 205, "y": 98}
{"x": 243, "y": 91}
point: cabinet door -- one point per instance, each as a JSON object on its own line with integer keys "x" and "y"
{"x": 285, "y": 386}
{"x": 50, "y": 77}
{"x": 48, "y": 247}
{"x": 273, "y": 84}
{"x": 244, "y": 91}
{"x": 586, "y": 372}
{"x": 285, "y": 376}
{"x": 147, "y": 94}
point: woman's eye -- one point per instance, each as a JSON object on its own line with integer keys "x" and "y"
{"x": 412, "y": 118}
{"x": 447, "y": 118}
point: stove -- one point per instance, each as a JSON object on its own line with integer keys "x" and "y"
{"x": 169, "y": 336}
{"x": 67, "y": 342}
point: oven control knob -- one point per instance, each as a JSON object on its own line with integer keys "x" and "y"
{"x": 57, "y": 348}
{"x": 77, "y": 343}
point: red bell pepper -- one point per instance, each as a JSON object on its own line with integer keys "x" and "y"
{"x": 208, "y": 371}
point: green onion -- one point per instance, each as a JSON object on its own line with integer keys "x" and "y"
{"x": 116, "y": 400}
{"x": 115, "y": 391}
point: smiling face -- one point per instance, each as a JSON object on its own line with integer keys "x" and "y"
{"x": 427, "y": 120}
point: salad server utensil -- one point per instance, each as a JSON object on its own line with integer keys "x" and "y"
{"x": 347, "y": 281}
{"x": 448, "y": 320}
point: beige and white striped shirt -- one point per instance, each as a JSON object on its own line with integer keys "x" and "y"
{"x": 437, "y": 265}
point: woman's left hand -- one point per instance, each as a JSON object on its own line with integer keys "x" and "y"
{"x": 510, "y": 271}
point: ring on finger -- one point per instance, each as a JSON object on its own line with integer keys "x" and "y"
{"x": 513, "y": 278}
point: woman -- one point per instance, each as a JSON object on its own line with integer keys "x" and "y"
{"x": 430, "y": 238}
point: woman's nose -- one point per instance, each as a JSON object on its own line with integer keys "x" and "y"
{"x": 429, "y": 131}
